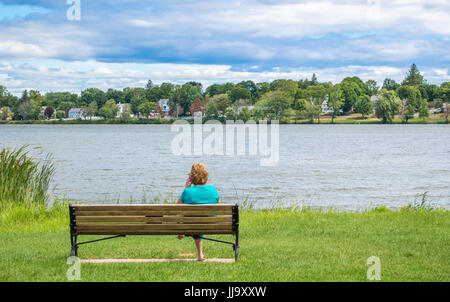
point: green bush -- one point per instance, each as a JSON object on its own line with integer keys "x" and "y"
{"x": 23, "y": 179}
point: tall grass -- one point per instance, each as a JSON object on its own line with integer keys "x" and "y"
{"x": 24, "y": 180}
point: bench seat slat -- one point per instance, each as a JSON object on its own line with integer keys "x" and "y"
{"x": 154, "y": 213}
{"x": 145, "y": 227}
{"x": 153, "y": 232}
{"x": 119, "y": 219}
{"x": 153, "y": 207}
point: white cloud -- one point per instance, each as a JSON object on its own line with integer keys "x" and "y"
{"x": 77, "y": 76}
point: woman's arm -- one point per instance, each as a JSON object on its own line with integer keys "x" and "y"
{"x": 187, "y": 185}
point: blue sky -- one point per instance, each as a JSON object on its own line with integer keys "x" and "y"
{"x": 124, "y": 43}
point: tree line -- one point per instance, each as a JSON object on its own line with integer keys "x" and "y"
{"x": 279, "y": 99}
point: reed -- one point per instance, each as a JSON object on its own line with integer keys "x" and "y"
{"x": 24, "y": 180}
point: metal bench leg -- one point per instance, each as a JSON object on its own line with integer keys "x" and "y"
{"x": 236, "y": 247}
{"x": 74, "y": 250}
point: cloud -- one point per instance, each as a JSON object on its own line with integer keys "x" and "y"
{"x": 76, "y": 76}
{"x": 325, "y": 36}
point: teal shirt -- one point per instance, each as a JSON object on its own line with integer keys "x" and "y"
{"x": 200, "y": 195}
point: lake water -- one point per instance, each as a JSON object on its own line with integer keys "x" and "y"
{"x": 348, "y": 167}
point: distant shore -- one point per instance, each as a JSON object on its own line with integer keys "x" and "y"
{"x": 347, "y": 120}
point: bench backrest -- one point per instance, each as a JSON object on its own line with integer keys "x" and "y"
{"x": 156, "y": 219}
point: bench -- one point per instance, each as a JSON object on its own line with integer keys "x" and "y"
{"x": 121, "y": 220}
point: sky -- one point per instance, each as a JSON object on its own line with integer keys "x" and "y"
{"x": 117, "y": 44}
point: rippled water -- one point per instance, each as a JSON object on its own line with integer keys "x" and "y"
{"x": 344, "y": 166}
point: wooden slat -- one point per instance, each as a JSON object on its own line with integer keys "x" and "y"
{"x": 154, "y": 232}
{"x": 154, "y": 213}
{"x": 148, "y": 227}
{"x": 136, "y": 219}
{"x": 154, "y": 207}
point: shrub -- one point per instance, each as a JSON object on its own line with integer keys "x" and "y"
{"x": 23, "y": 179}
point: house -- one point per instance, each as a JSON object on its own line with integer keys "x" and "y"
{"x": 75, "y": 113}
{"x": 42, "y": 113}
{"x": 325, "y": 108}
{"x": 164, "y": 104}
{"x": 121, "y": 108}
{"x": 240, "y": 108}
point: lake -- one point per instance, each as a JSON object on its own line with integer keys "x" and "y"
{"x": 347, "y": 167}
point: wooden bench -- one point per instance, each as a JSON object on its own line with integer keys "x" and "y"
{"x": 153, "y": 219}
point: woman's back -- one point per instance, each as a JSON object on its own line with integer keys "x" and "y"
{"x": 200, "y": 195}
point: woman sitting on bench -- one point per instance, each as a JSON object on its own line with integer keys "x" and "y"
{"x": 197, "y": 192}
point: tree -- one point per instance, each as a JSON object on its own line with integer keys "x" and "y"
{"x": 335, "y": 101}
{"x": 372, "y": 87}
{"x": 387, "y": 105}
{"x": 244, "y": 115}
{"x": 363, "y": 89}
{"x": 251, "y": 86}
{"x": 364, "y": 105}
{"x": 312, "y": 111}
{"x": 390, "y": 84}
{"x": 66, "y": 106}
{"x": 146, "y": 108}
{"x": 60, "y": 114}
{"x": 197, "y": 106}
{"x": 446, "y": 111}
{"x": 221, "y": 101}
{"x": 351, "y": 92}
{"x": 4, "y": 111}
{"x": 154, "y": 94}
{"x": 93, "y": 94}
{"x": 109, "y": 110}
{"x": 289, "y": 87}
{"x": 423, "y": 109}
{"x": 413, "y": 77}
{"x": 91, "y": 109}
{"x": 188, "y": 94}
{"x": 239, "y": 93}
{"x": 316, "y": 95}
{"x": 212, "y": 111}
{"x": 167, "y": 90}
{"x": 299, "y": 106}
{"x": 262, "y": 88}
{"x": 29, "y": 110}
{"x": 117, "y": 95}
{"x": 314, "y": 80}
{"x": 277, "y": 103}
{"x": 230, "y": 114}
{"x": 48, "y": 113}
{"x": 137, "y": 100}
{"x": 411, "y": 101}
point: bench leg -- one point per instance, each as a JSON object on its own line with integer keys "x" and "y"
{"x": 74, "y": 250}
{"x": 236, "y": 247}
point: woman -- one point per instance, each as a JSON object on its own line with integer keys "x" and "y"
{"x": 197, "y": 192}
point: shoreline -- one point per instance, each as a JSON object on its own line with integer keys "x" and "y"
{"x": 396, "y": 121}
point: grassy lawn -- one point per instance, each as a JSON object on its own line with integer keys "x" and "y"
{"x": 275, "y": 246}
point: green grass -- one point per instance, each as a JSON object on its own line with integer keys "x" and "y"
{"x": 276, "y": 245}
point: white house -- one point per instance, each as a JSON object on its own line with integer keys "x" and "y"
{"x": 164, "y": 103}
{"x": 75, "y": 113}
{"x": 121, "y": 108}
{"x": 325, "y": 108}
